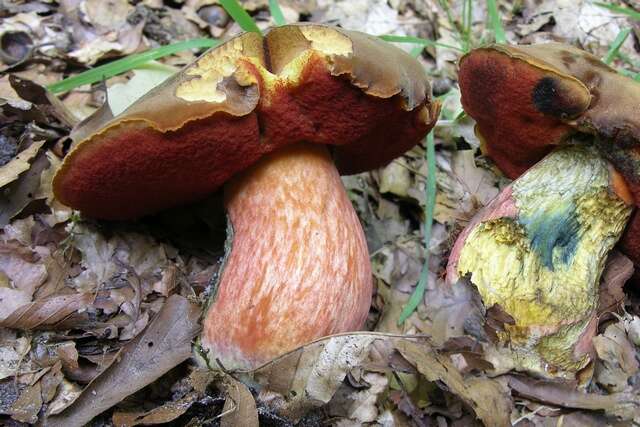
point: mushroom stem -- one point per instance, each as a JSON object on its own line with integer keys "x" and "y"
{"x": 298, "y": 268}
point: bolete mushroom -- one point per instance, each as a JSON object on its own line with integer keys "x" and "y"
{"x": 538, "y": 251}
{"x": 266, "y": 117}
{"x": 528, "y": 99}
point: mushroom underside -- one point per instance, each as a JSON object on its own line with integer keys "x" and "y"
{"x": 538, "y": 251}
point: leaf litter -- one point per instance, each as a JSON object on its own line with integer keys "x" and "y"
{"x": 97, "y": 320}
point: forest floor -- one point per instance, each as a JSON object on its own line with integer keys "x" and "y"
{"x": 97, "y": 319}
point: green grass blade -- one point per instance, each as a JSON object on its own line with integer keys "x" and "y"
{"x": 634, "y": 63}
{"x": 418, "y": 293}
{"x": 276, "y": 13}
{"x": 416, "y": 51}
{"x": 130, "y": 62}
{"x": 417, "y": 40}
{"x": 496, "y": 22}
{"x": 631, "y": 74}
{"x": 237, "y": 12}
{"x": 616, "y": 45}
{"x": 467, "y": 17}
{"x": 619, "y": 9}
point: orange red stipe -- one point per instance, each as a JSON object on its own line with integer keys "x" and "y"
{"x": 299, "y": 266}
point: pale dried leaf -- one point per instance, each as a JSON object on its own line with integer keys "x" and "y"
{"x": 486, "y": 397}
{"x": 395, "y": 178}
{"x": 67, "y": 393}
{"x": 11, "y": 354}
{"x": 617, "y": 358}
{"x": 617, "y": 271}
{"x": 359, "y": 406}
{"x": 59, "y": 212}
{"x": 373, "y": 17}
{"x": 314, "y": 372}
{"x": 19, "y": 164}
{"x": 19, "y": 193}
{"x": 11, "y": 299}
{"x": 632, "y": 326}
{"x": 240, "y": 407}
{"x": 97, "y": 257}
{"x": 453, "y": 311}
{"x": 160, "y": 415}
{"x": 624, "y": 405}
{"x": 19, "y": 230}
{"x": 28, "y": 405}
{"x": 122, "y": 95}
{"x": 477, "y": 183}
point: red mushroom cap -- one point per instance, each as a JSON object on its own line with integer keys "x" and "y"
{"x": 240, "y": 101}
{"x": 528, "y": 99}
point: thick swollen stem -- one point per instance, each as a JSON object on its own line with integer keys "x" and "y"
{"x": 298, "y": 267}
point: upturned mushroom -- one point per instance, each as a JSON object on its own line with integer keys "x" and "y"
{"x": 538, "y": 251}
{"x": 528, "y": 99}
{"x": 266, "y": 118}
{"x": 539, "y": 248}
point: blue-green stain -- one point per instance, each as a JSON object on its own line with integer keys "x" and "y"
{"x": 554, "y": 234}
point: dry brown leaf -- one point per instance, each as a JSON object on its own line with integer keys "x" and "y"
{"x": 489, "y": 400}
{"x": 617, "y": 271}
{"x": 240, "y": 407}
{"x": 617, "y": 358}
{"x": 453, "y": 311}
{"x": 359, "y": 406}
{"x": 24, "y": 273}
{"x": 67, "y": 393}
{"x": 395, "y": 178}
{"x": 197, "y": 381}
{"x": 46, "y": 312}
{"x": 59, "y": 212}
{"x": 19, "y": 230}
{"x": 28, "y": 405}
{"x": 632, "y": 326}
{"x": 160, "y": 415}
{"x": 162, "y": 346}
{"x": 44, "y": 101}
{"x": 50, "y": 382}
{"x": 12, "y": 352}
{"x": 11, "y": 298}
{"x": 313, "y": 372}
{"x": 623, "y": 405}
{"x": 463, "y": 187}
{"x": 18, "y": 194}
{"x": 19, "y": 164}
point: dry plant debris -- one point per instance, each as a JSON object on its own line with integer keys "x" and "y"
{"x": 98, "y": 319}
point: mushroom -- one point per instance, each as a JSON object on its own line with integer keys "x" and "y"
{"x": 538, "y": 250}
{"x": 265, "y": 117}
{"x": 528, "y": 99}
